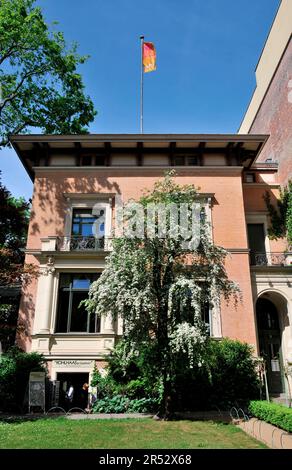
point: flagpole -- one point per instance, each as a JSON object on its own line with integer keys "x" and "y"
{"x": 142, "y": 86}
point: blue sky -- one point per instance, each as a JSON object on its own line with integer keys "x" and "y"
{"x": 207, "y": 51}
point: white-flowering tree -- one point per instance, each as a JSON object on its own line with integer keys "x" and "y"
{"x": 159, "y": 283}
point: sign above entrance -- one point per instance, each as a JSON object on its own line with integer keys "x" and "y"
{"x": 73, "y": 363}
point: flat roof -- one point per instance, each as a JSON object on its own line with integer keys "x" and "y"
{"x": 17, "y": 138}
{"x": 30, "y": 147}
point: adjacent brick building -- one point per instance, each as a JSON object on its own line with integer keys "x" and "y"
{"x": 270, "y": 109}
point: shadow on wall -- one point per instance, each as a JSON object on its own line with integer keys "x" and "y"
{"x": 50, "y": 212}
{"x": 53, "y": 208}
{"x": 25, "y": 319}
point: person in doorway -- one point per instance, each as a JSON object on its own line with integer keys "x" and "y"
{"x": 84, "y": 396}
{"x": 70, "y": 395}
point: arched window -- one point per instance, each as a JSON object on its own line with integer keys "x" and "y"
{"x": 267, "y": 315}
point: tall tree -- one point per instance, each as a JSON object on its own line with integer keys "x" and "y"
{"x": 14, "y": 218}
{"x": 159, "y": 283}
{"x": 40, "y": 85}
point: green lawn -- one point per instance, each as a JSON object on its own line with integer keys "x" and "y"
{"x": 61, "y": 433}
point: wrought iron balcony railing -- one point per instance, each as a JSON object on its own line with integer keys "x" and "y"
{"x": 79, "y": 243}
{"x": 270, "y": 259}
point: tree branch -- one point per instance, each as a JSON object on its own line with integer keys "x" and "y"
{"x": 8, "y": 53}
{"x": 14, "y": 94}
{"x": 16, "y": 130}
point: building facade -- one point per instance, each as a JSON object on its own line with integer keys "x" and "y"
{"x": 77, "y": 182}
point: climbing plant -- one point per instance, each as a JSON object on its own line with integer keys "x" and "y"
{"x": 281, "y": 215}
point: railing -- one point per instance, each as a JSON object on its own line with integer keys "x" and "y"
{"x": 79, "y": 243}
{"x": 270, "y": 259}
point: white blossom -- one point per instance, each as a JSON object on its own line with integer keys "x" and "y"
{"x": 186, "y": 338}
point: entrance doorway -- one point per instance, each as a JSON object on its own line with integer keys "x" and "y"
{"x": 270, "y": 344}
{"x": 75, "y": 381}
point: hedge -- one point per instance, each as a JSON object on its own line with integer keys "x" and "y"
{"x": 272, "y": 413}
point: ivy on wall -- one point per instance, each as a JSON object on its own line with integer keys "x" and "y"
{"x": 281, "y": 216}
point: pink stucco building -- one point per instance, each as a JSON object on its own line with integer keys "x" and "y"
{"x": 72, "y": 173}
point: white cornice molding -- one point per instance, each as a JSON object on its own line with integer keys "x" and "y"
{"x": 82, "y": 196}
{"x": 262, "y": 185}
{"x": 238, "y": 250}
{"x": 41, "y": 170}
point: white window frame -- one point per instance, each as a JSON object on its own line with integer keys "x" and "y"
{"x": 88, "y": 204}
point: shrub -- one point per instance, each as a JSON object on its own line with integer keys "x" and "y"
{"x": 272, "y": 413}
{"x": 233, "y": 374}
{"x": 137, "y": 388}
{"x": 226, "y": 377}
{"x": 15, "y": 367}
{"x": 106, "y": 386}
{"x": 143, "y": 405}
{"x": 122, "y": 404}
{"x": 117, "y": 404}
{"x": 8, "y": 321}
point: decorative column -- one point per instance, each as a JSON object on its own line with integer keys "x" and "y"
{"x": 107, "y": 325}
{"x": 120, "y": 326}
{"x": 45, "y": 294}
{"x": 215, "y": 314}
{"x": 208, "y": 209}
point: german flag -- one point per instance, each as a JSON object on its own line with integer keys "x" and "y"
{"x": 149, "y": 57}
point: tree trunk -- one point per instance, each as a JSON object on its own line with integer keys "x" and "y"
{"x": 165, "y": 411}
{"x": 166, "y": 407}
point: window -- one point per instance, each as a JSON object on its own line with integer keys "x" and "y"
{"x": 85, "y": 160}
{"x": 267, "y": 315}
{"x": 179, "y": 160}
{"x": 99, "y": 160}
{"x": 84, "y": 219}
{"x": 206, "y": 315}
{"x": 256, "y": 241}
{"x": 250, "y": 178}
{"x": 192, "y": 160}
{"x": 71, "y": 317}
{"x": 185, "y": 312}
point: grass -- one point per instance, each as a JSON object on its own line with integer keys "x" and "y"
{"x": 62, "y": 433}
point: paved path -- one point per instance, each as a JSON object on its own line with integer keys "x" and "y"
{"x": 108, "y": 415}
{"x": 207, "y": 415}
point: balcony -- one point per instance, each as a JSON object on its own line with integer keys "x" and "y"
{"x": 270, "y": 259}
{"x": 79, "y": 243}
{"x": 76, "y": 244}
